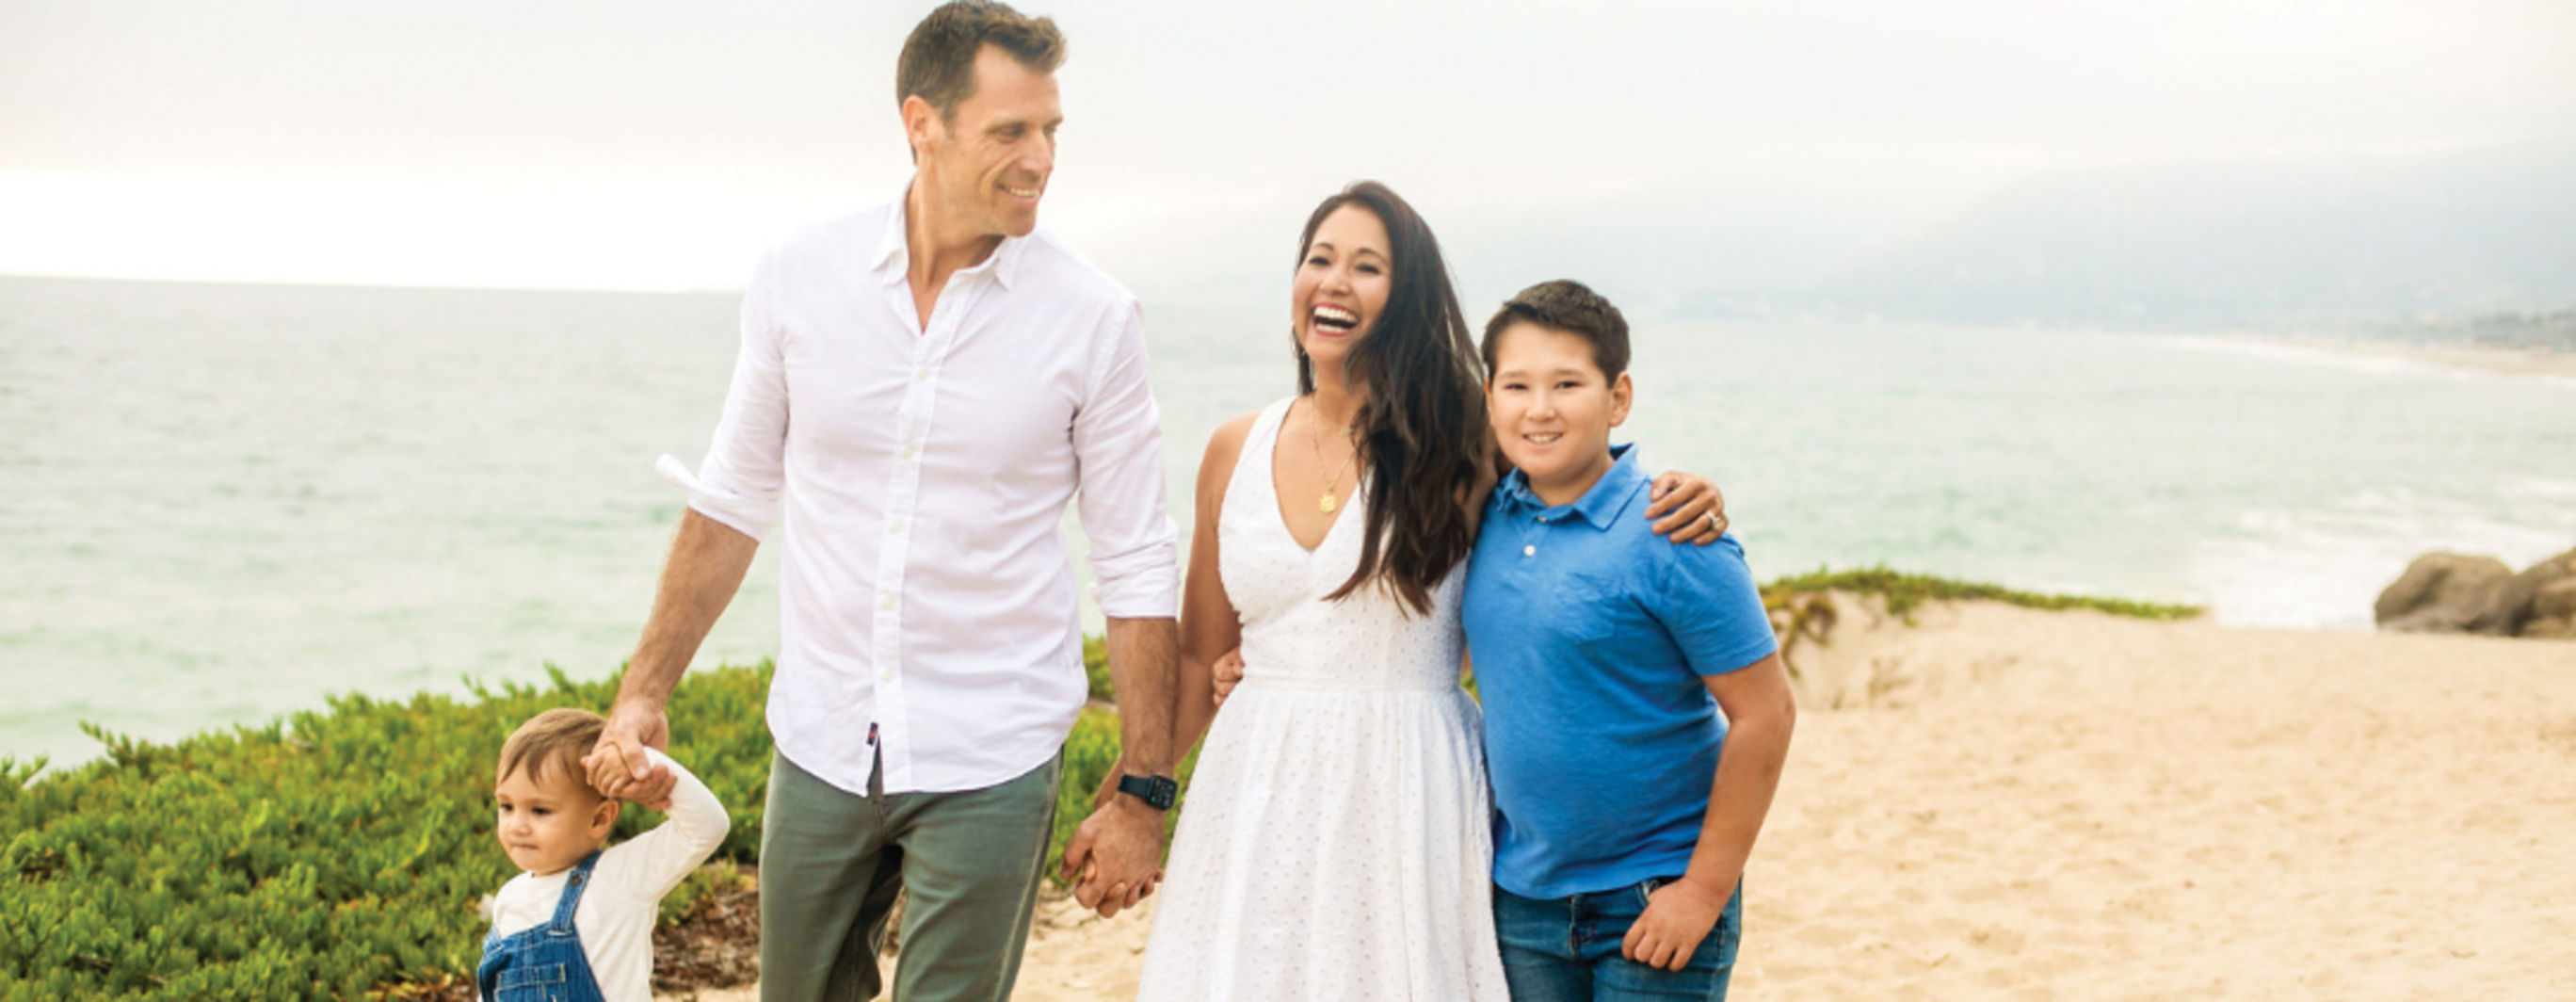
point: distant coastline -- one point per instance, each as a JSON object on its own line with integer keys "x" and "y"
{"x": 2453, "y": 356}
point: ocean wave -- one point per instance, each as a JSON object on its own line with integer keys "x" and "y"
{"x": 2324, "y": 568}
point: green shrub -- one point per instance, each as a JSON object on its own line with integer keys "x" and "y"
{"x": 1095, "y": 664}
{"x": 1904, "y": 592}
{"x": 328, "y": 855}
{"x": 1801, "y": 612}
{"x": 343, "y": 852}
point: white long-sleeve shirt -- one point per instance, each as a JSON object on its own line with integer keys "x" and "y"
{"x": 925, "y": 591}
{"x": 617, "y": 910}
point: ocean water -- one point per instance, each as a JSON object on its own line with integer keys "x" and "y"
{"x": 224, "y": 502}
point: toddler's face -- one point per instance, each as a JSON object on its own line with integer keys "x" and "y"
{"x": 548, "y": 826}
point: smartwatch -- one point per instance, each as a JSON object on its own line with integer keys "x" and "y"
{"x": 1157, "y": 792}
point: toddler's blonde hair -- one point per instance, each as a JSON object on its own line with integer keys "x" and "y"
{"x": 556, "y": 737}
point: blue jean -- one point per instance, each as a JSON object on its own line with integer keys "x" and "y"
{"x": 1567, "y": 949}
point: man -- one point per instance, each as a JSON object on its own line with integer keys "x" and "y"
{"x": 926, "y": 385}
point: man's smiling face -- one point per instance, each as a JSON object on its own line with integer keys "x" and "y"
{"x": 988, "y": 162}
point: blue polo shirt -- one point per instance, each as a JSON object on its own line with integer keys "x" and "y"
{"x": 1591, "y": 635}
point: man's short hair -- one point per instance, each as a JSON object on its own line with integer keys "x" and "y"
{"x": 555, "y": 737}
{"x": 1567, "y": 307}
{"x": 938, "y": 63}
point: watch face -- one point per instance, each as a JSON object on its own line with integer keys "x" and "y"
{"x": 1156, "y": 791}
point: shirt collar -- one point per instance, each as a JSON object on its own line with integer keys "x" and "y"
{"x": 1601, "y": 506}
{"x": 894, "y": 254}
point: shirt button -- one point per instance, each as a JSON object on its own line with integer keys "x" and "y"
{"x": 886, "y": 603}
{"x": 895, "y": 526}
{"x": 921, "y": 375}
{"x": 1529, "y": 551}
{"x": 907, "y": 452}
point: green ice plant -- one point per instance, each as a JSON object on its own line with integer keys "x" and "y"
{"x": 338, "y": 853}
{"x": 1904, "y": 592}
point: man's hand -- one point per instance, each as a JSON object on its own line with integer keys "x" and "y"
{"x": 1227, "y": 672}
{"x": 1686, "y": 509}
{"x": 1116, "y": 857}
{"x": 617, "y": 766}
{"x": 1677, "y": 916}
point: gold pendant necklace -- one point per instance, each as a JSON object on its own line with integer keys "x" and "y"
{"x": 1326, "y": 504}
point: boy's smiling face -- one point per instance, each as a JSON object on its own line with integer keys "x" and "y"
{"x": 548, "y": 825}
{"x": 1553, "y": 409}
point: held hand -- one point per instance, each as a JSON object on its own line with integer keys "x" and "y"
{"x": 1678, "y": 915}
{"x": 1117, "y": 853}
{"x": 617, "y": 766}
{"x": 1229, "y": 672}
{"x": 1686, "y": 509}
{"x": 1110, "y": 899}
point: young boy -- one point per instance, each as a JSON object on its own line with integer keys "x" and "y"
{"x": 1604, "y": 657}
{"x": 578, "y": 925}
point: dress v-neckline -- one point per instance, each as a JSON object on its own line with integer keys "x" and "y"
{"x": 1279, "y": 501}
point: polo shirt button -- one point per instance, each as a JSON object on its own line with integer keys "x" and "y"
{"x": 1529, "y": 551}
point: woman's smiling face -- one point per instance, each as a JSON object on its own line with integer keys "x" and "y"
{"x": 1342, "y": 284}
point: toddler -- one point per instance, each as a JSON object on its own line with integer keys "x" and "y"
{"x": 577, "y": 926}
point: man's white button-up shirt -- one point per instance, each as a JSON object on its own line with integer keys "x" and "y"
{"x": 925, "y": 589}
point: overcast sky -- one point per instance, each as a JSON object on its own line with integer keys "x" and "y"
{"x": 657, "y": 144}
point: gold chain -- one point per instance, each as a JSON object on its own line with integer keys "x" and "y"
{"x": 1326, "y": 504}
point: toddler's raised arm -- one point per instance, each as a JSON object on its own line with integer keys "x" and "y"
{"x": 649, "y": 865}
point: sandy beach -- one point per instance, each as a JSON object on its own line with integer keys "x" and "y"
{"x": 1999, "y": 803}
{"x": 2459, "y": 356}
{"x": 2477, "y": 358}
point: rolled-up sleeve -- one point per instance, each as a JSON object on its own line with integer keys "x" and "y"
{"x": 740, "y": 481}
{"x": 1118, "y": 448}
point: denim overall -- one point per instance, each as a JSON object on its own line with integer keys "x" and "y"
{"x": 542, "y": 963}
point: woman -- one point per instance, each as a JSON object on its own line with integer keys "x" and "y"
{"x": 1337, "y": 842}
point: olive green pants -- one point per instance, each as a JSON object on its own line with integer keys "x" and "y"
{"x": 831, "y": 864}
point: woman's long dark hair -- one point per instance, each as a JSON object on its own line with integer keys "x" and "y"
{"x": 1422, "y": 429}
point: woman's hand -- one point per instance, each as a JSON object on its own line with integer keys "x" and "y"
{"x": 1686, "y": 508}
{"x": 1229, "y": 670}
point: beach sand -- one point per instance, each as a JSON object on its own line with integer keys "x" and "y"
{"x": 1999, "y": 803}
{"x": 2453, "y": 355}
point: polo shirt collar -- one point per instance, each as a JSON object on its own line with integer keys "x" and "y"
{"x": 1601, "y": 506}
{"x": 893, "y": 258}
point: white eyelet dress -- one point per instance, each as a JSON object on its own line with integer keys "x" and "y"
{"x": 1336, "y": 842}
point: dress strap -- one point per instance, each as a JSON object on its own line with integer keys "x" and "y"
{"x": 1252, "y": 465}
{"x": 571, "y": 899}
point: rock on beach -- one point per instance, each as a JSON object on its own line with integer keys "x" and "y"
{"x": 2453, "y": 593}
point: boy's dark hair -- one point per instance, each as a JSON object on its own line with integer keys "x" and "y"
{"x": 938, "y": 62}
{"x": 1568, "y": 307}
{"x": 555, "y": 737}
